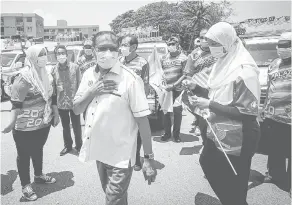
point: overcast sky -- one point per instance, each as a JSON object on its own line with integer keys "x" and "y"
{"x": 103, "y": 12}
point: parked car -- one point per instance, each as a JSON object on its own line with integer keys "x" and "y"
{"x": 263, "y": 50}
{"x": 12, "y": 62}
{"x": 145, "y": 49}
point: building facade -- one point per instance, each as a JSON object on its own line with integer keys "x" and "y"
{"x": 62, "y": 30}
{"x": 21, "y": 25}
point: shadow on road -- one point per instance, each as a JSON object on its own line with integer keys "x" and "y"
{"x": 7, "y": 181}
{"x": 188, "y": 138}
{"x": 190, "y": 150}
{"x": 256, "y": 179}
{"x": 64, "y": 180}
{"x": 205, "y": 199}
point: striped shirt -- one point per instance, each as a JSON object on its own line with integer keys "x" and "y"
{"x": 139, "y": 65}
{"x": 173, "y": 67}
{"x": 84, "y": 64}
{"x": 199, "y": 66}
{"x": 278, "y": 101}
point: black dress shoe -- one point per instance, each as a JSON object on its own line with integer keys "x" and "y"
{"x": 165, "y": 137}
{"x": 65, "y": 151}
{"x": 77, "y": 149}
{"x": 177, "y": 139}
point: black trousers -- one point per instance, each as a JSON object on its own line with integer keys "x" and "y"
{"x": 177, "y": 112}
{"x": 29, "y": 145}
{"x": 139, "y": 145}
{"x": 231, "y": 189}
{"x": 65, "y": 116}
{"x": 279, "y": 149}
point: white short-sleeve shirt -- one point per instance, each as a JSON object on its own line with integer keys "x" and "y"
{"x": 110, "y": 134}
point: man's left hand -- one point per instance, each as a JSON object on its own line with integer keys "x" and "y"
{"x": 149, "y": 170}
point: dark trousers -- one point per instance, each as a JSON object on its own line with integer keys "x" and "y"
{"x": 139, "y": 145}
{"x": 279, "y": 149}
{"x": 29, "y": 145}
{"x": 65, "y": 116}
{"x": 177, "y": 112}
{"x": 115, "y": 183}
{"x": 231, "y": 189}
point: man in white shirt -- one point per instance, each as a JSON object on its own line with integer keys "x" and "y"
{"x": 116, "y": 108}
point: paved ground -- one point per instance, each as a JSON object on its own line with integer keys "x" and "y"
{"x": 180, "y": 179}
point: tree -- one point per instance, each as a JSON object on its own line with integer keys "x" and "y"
{"x": 184, "y": 19}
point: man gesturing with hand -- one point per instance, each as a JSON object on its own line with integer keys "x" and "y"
{"x": 117, "y": 107}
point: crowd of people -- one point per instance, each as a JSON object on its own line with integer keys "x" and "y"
{"x": 218, "y": 82}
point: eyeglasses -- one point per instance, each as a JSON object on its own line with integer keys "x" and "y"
{"x": 104, "y": 49}
{"x": 202, "y": 37}
{"x": 125, "y": 45}
{"x": 171, "y": 44}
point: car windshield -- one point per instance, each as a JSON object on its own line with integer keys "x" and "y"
{"x": 263, "y": 54}
{"x": 7, "y": 59}
{"x": 146, "y": 51}
{"x": 52, "y": 58}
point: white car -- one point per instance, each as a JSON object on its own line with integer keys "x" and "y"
{"x": 263, "y": 50}
{"x": 11, "y": 63}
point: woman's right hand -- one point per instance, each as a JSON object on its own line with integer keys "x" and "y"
{"x": 189, "y": 84}
{"x": 8, "y": 128}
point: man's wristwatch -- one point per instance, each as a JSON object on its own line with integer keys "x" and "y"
{"x": 149, "y": 156}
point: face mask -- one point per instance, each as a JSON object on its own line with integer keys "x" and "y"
{"x": 284, "y": 53}
{"x": 217, "y": 52}
{"x": 88, "y": 52}
{"x": 42, "y": 61}
{"x": 171, "y": 49}
{"x": 125, "y": 51}
{"x": 62, "y": 58}
{"x": 107, "y": 59}
{"x": 204, "y": 44}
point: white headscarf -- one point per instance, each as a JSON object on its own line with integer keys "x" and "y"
{"x": 31, "y": 74}
{"x": 236, "y": 63}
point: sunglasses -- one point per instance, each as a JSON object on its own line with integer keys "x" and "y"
{"x": 104, "y": 49}
{"x": 61, "y": 53}
{"x": 171, "y": 44}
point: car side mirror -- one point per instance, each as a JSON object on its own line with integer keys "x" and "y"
{"x": 18, "y": 65}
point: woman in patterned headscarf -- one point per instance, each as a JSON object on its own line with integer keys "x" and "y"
{"x": 232, "y": 101}
{"x": 33, "y": 111}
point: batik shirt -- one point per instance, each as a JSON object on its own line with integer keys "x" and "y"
{"x": 66, "y": 83}
{"x": 278, "y": 99}
{"x": 173, "y": 68}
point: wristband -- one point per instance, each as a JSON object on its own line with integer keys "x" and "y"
{"x": 149, "y": 156}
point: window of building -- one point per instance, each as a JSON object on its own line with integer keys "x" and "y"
{"x": 60, "y": 30}
{"x": 29, "y": 29}
{"x": 46, "y": 30}
{"x": 29, "y": 19}
{"x": 2, "y": 29}
{"x": 19, "y": 20}
{"x": 2, "y": 21}
{"x": 19, "y": 28}
{"x": 94, "y": 30}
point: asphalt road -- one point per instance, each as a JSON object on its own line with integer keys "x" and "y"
{"x": 180, "y": 179}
